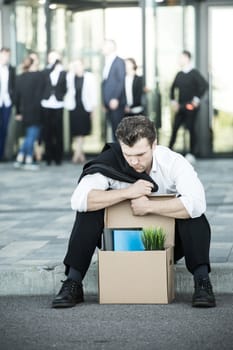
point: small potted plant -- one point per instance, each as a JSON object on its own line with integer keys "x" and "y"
{"x": 153, "y": 238}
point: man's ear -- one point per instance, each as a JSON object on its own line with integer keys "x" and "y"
{"x": 154, "y": 145}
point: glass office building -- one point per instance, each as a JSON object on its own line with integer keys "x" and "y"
{"x": 154, "y": 33}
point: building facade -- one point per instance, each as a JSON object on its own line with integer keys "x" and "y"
{"x": 154, "y": 33}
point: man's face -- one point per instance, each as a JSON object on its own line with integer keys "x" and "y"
{"x": 184, "y": 60}
{"x": 140, "y": 155}
{"x": 108, "y": 48}
{"x": 52, "y": 57}
{"x": 4, "y": 57}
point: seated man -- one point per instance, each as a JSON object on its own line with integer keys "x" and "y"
{"x": 133, "y": 169}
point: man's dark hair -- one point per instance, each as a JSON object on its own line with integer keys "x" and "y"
{"x": 112, "y": 42}
{"x": 132, "y": 129}
{"x": 132, "y": 60}
{"x": 187, "y": 53}
{"x": 5, "y": 49}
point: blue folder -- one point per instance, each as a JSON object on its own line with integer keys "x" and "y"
{"x": 127, "y": 240}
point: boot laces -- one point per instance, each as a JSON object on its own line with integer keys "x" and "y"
{"x": 70, "y": 285}
{"x": 204, "y": 284}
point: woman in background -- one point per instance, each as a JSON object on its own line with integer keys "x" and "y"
{"x": 80, "y": 100}
{"x": 133, "y": 89}
{"x": 28, "y": 94}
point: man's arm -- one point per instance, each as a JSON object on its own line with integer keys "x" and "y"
{"x": 99, "y": 199}
{"x": 173, "y": 207}
{"x": 202, "y": 84}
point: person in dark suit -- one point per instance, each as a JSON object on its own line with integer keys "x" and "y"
{"x": 191, "y": 86}
{"x": 133, "y": 89}
{"x": 7, "y": 85}
{"x": 28, "y": 94}
{"x": 52, "y": 108}
{"x": 113, "y": 85}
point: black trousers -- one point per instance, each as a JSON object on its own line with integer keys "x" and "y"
{"x": 187, "y": 119}
{"x": 192, "y": 240}
{"x": 53, "y": 134}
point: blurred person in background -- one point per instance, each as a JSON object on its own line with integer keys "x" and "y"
{"x": 7, "y": 85}
{"x": 133, "y": 89}
{"x": 38, "y": 147}
{"x": 113, "y": 85}
{"x": 28, "y": 94}
{"x": 190, "y": 86}
{"x": 80, "y": 100}
{"x": 52, "y": 107}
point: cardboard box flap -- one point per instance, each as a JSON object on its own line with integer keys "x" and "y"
{"x": 120, "y": 215}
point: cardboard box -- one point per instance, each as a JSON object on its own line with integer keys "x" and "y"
{"x": 137, "y": 277}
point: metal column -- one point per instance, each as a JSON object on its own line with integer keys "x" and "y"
{"x": 204, "y": 131}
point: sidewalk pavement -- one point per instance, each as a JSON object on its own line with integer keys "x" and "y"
{"x": 36, "y": 221}
{"x": 29, "y": 323}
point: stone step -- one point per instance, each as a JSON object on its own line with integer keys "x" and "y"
{"x": 47, "y": 280}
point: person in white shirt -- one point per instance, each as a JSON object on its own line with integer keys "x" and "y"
{"x": 134, "y": 169}
{"x": 7, "y": 86}
{"x": 52, "y": 108}
{"x": 80, "y": 100}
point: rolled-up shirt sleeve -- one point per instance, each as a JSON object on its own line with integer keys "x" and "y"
{"x": 89, "y": 182}
{"x": 189, "y": 188}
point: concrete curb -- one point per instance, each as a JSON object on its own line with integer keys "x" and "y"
{"x": 47, "y": 280}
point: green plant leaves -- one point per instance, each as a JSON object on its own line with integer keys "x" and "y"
{"x": 153, "y": 238}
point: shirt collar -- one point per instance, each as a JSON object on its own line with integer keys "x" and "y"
{"x": 154, "y": 163}
{"x": 187, "y": 68}
{"x": 111, "y": 57}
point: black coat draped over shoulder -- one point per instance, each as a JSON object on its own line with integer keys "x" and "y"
{"x": 111, "y": 163}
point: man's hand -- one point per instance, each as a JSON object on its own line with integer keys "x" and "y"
{"x": 139, "y": 188}
{"x": 139, "y": 205}
{"x": 172, "y": 208}
{"x": 99, "y": 199}
{"x": 175, "y": 106}
{"x": 18, "y": 117}
{"x": 113, "y": 104}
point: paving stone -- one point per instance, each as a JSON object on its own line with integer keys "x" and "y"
{"x": 36, "y": 219}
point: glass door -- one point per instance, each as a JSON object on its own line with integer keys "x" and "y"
{"x": 175, "y": 32}
{"x": 84, "y": 41}
{"x": 221, "y": 73}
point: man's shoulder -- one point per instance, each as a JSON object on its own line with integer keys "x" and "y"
{"x": 12, "y": 68}
{"x": 169, "y": 161}
{"x": 118, "y": 60}
{"x": 161, "y": 150}
{"x": 166, "y": 155}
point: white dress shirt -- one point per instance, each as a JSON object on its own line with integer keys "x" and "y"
{"x": 52, "y": 102}
{"x": 88, "y": 94}
{"x": 129, "y": 89}
{"x": 4, "y": 94}
{"x": 108, "y": 63}
{"x": 170, "y": 170}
